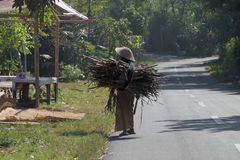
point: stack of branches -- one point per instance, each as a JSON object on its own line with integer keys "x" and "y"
{"x": 111, "y": 73}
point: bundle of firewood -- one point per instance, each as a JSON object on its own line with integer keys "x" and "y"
{"x": 110, "y": 73}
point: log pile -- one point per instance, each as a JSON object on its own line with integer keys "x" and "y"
{"x": 110, "y": 73}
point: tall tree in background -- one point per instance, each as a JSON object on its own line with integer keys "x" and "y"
{"x": 224, "y": 20}
{"x": 197, "y": 27}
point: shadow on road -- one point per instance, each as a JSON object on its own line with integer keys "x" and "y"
{"x": 117, "y": 138}
{"x": 229, "y": 124}
{"x": 190, "y": 74}
{"x": 193, "y": 76}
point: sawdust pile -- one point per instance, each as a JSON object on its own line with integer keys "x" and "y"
{"x": 37, "y": 115}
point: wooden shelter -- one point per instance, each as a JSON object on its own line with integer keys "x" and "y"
{"x": 65, "y": 13}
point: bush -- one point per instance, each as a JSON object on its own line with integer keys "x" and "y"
{"x": 229, "y": 62}
{"x": 231, "y": 56}
{"x": 70, "y": 73}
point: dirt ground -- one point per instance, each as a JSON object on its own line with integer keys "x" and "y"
{"x": 37, "y": 115}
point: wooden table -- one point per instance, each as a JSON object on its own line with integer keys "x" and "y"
{"x": 6, "y": 84}
{"x": 22, "y": 85}
{"x": 6, "y": 78}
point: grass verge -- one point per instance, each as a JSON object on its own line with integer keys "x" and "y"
{"x": 222, "y": 73}
{"x": 146, "y": 62}
{"x": 85, "y": 139}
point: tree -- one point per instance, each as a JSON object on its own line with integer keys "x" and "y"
{"x": 42, "y": 9}
{"x": 14, "y": 38}
{"x": 136, "y": 20}
{"x": 112, "y": 33}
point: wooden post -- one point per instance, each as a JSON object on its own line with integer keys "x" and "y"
{"x": 36, "y": 61}
{"x": 25, "y": 63}
{"x": 56, "y": 71}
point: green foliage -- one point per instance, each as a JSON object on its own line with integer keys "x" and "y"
{"x": 221, "y": 17}
{"x": 9, "y": 67}
{"x": 6, "y": 140}
{"x": 16, "y": 37}
{"x": 116, "y": 7}
{"x": 70, "y": 73}
{"x": 112, "y": 33}
{"x": 79, "y": 96}
{"x": 92, "y": 8}
{"x": 135, "y": 42}
{"x": 136, "y": 20}
{"x": 231, "y": 57}
{"x": 192, "y": 26}
{"x": 227, "y": 67}
{"x": 85, "y": 47}
{"x": 43, "y": 9}
{"x": 233, "y": 46}
{"x": 73, "y": 50}
{"x": 163, "y": 31}
{"x": 85, "y": 139}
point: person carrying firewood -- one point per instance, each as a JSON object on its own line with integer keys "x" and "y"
{"x": 126, "y": 82}
{"x": 125, "y": 98}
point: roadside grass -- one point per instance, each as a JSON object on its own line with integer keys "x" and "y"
{"x": 84, "y": 139}
{"x": 79, "y": 96}
{"x": 146, "y": 62}
{"x": 221, "y": 73}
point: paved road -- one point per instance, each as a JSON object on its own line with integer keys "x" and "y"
{"x": 196, "y": 118}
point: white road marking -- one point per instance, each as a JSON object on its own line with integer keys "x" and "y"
{"x": 192, "y": 96}
{"x": 175, "y": 69}
{"x": 238, "y": 147}
{"x": 201, "y": 104}
{"x": 217, "y": 120}
{"x": 231, "y": 122}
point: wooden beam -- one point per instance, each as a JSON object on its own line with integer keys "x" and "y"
{"x": 36, "y": 61}
{"x": 56, "y": 71}
{"x": 76, "y": 21}
{"x": 29, "y": 20}
{"x": 10, "y": 20}
{"x": 7, "y": 15}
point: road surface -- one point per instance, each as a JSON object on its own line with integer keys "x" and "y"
{"x": 196, "y": 118}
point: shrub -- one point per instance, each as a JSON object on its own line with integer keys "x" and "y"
{"x": 231, "y": 57}
{"x": 70, "y": 73}
{"x": 228, "y": 66}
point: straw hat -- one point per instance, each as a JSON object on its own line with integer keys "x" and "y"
{"x": 125, "y": 53}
